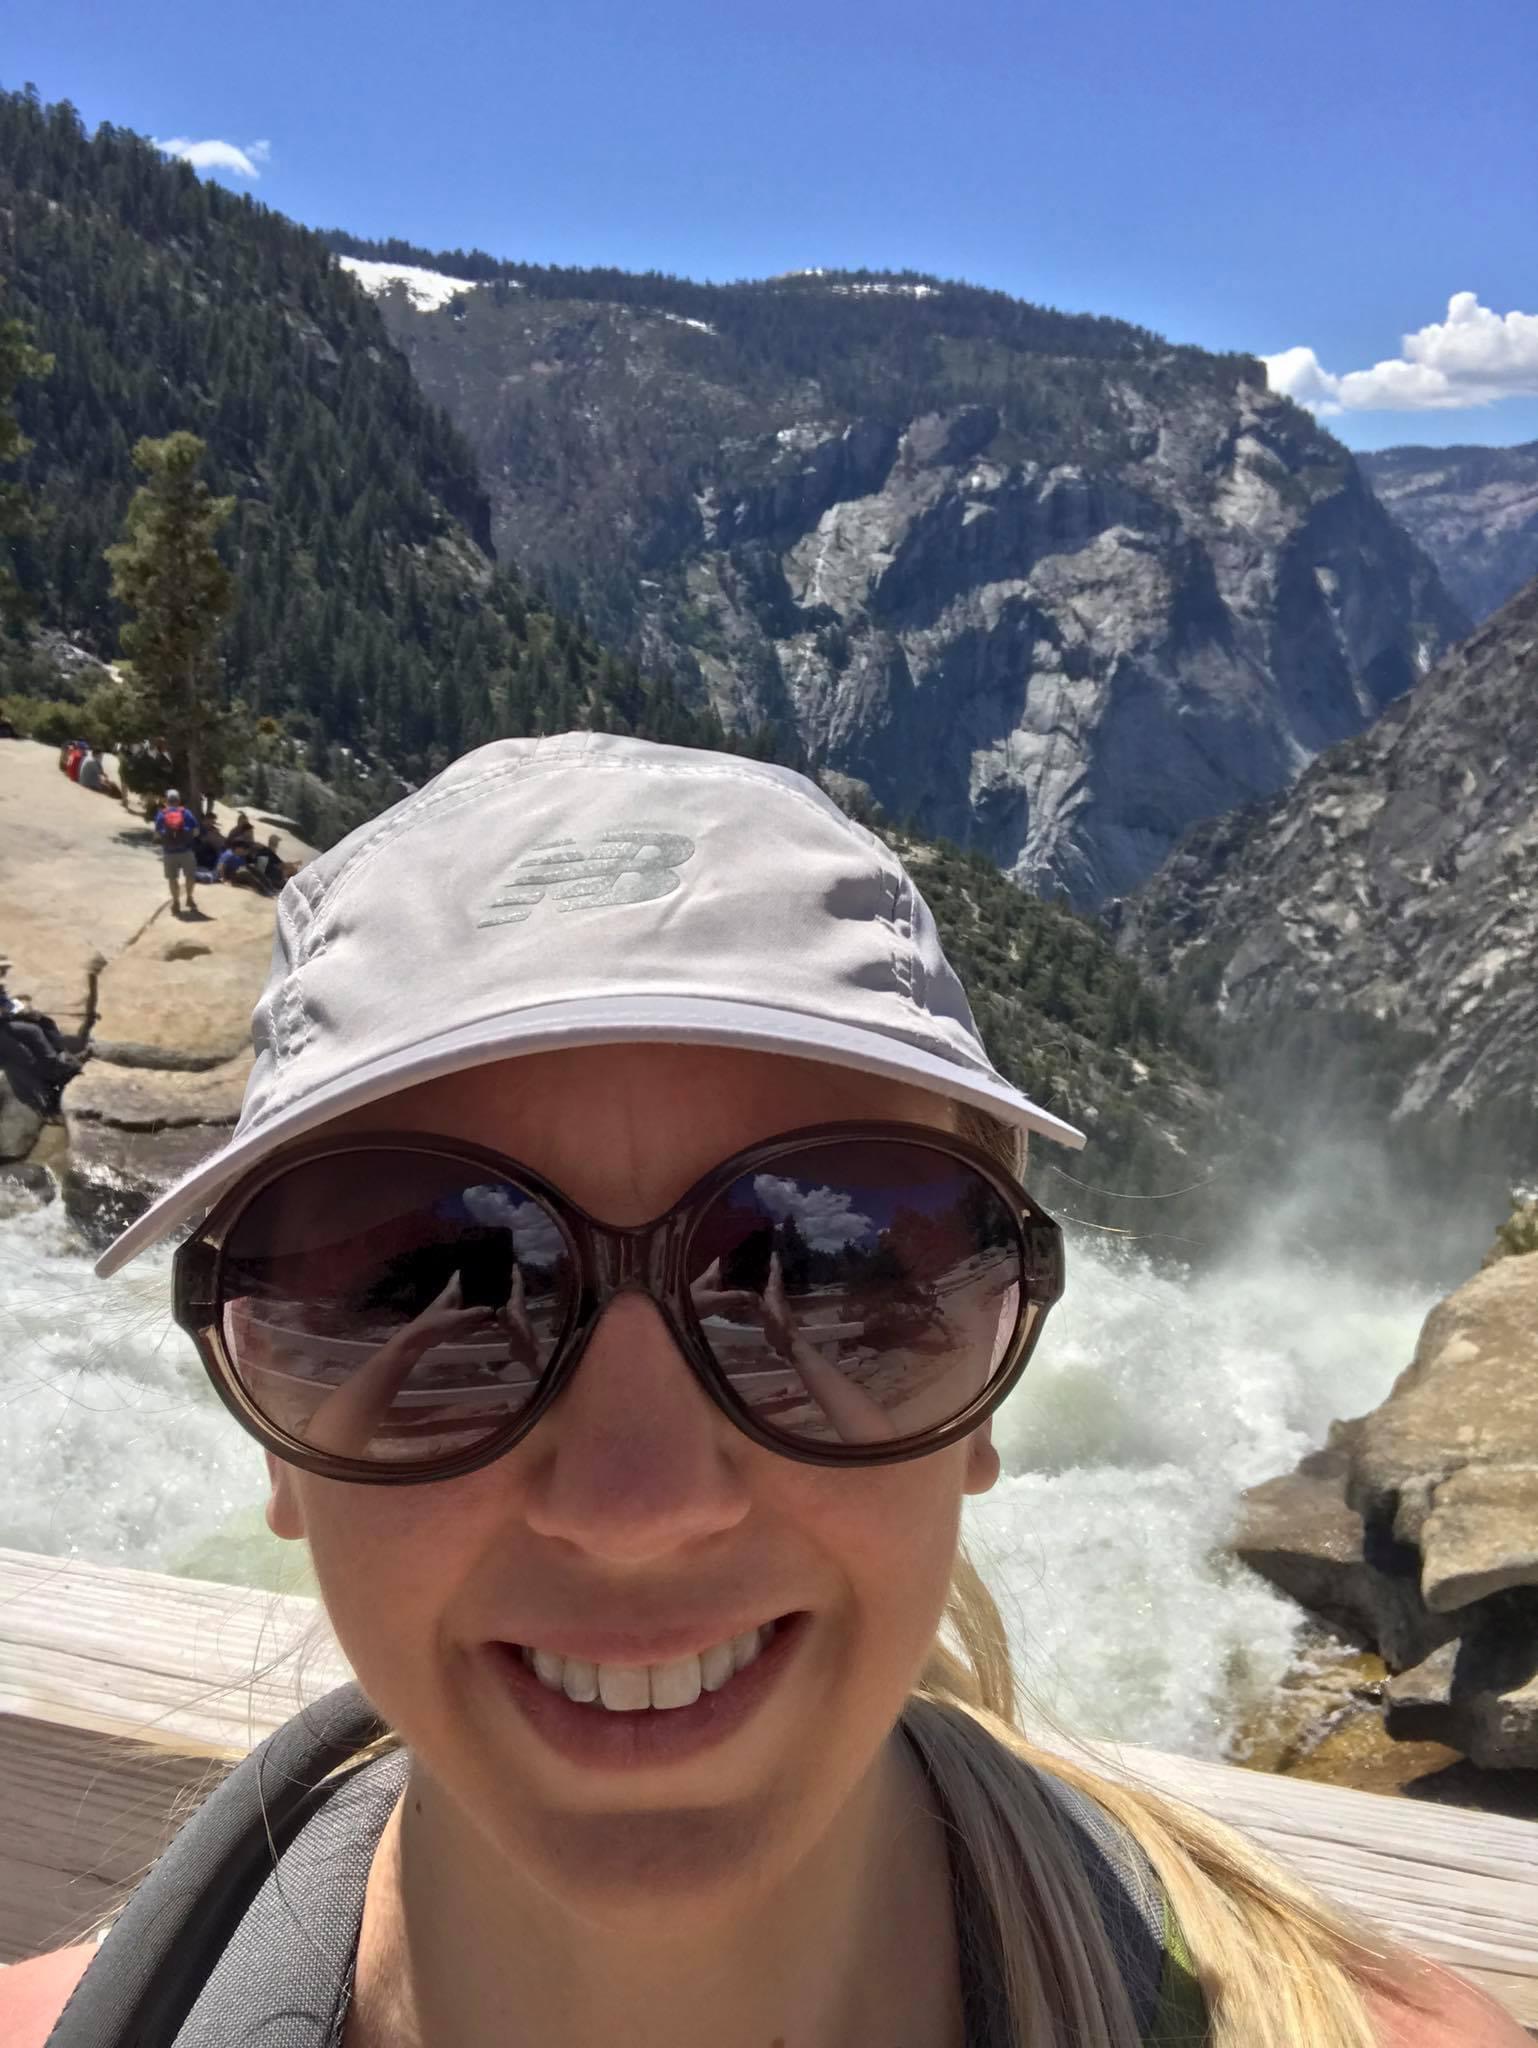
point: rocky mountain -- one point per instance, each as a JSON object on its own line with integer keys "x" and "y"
{"x": 1044, "y": 584}
{"x": 372, "y": 621}
{"x": 1390, "y": 897}
{"x": 1474, "y": 511}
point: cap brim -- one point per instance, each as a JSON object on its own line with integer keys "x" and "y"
{"x": 607, "y": 1020}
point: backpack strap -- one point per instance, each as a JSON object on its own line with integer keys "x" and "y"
{"x": 1139, "y": 1921}
{"x": 173, "y": 1934}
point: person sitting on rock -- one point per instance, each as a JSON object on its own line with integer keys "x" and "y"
{"x": 271, "y": 866}
{"x": 178, "y": 830}
{"x": 93, "y": 774}
{"x": 242, "y": 832}
{"x": 36, "y": 1042}
{"x": 233, "y": 867}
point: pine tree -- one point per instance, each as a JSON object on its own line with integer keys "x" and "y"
{"x": 168, "y": 570}
{"x": 18, "y": 360}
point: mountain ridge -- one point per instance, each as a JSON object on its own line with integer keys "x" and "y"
{"x": 1042, "y": 582}
{"x": 1389, "y": 898}
{"x": 1473, "y": 509}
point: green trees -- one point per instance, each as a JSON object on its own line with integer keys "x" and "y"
{"x": 18, "y": 360}
{"x": 168, "y": 571}
{"x": 370, "y": 615}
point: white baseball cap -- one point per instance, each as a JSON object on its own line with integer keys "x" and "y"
{"x": 587, "y": 889}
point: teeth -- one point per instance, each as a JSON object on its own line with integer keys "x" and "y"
{"x": 745, "y": 1648}
{"x": 676, "y": 1684}
{"x": 623, "y": 1688}
{"x": 716, "y": 1666}
{"x": 627, "y": 1688}
{"x": 579, "y": 1678}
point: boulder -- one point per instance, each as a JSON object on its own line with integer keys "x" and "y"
{"x": 20, "y": 1118}
{"x": 1453, "y": 1446}
{"x": 134, "y": 1130}
{"x": 1298, "y": 1532}
{"x": 1418, "y": 1526}
{"x": 1479, "y": 1694}
{"x": 1481, "y": 1535}
{"x": 112, "y": 1175}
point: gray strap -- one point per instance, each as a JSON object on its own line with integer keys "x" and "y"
{"x": 1127, "y": 1892}
{"x": 285, "y": 1979}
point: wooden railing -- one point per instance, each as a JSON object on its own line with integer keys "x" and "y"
{"x": 125, "y": 1694}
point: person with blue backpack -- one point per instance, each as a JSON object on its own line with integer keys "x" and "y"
{"x": 177, "y": 828}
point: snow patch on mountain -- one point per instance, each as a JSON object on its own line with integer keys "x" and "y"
{"x": 426, "y": 289}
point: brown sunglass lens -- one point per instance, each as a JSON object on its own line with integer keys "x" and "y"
{"x": 859, "y": 1293}
{"x": 392, "y": 1307}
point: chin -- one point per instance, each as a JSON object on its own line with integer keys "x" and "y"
{"x": 639, "y": 1870}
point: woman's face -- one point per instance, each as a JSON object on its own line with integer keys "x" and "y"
{"x": 634, "y": 1525}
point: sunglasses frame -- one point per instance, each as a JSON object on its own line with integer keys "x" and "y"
{"x": 610, "y": 1260}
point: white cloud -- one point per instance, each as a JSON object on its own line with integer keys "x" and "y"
{"x": 1473, "y": 357}
{"x": 826, "y": 1217}
{"x": 536, "y": 1235}
{"x": 220, "y": 156}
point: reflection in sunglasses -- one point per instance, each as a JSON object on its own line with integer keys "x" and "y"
{"x": 367, "y": 1398}
{"x": 373, "y": 1320}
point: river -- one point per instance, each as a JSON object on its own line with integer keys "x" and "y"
{"x": 1154, "y": 1399}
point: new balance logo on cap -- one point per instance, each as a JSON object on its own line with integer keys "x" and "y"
{"x": 590, "y": 874}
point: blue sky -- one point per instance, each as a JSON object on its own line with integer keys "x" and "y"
{"x": 1309, "y": 177}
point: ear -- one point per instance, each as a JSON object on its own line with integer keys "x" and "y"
{"x": 982, "y": 1460}
{"x": 285, "y": 1513}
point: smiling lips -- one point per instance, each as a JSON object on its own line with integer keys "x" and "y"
{"x": 627, "y": 1688}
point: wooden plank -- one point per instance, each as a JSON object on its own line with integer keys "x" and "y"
{"x": 84, "y": 1816}
{"x": 1459, "y": 1886}
{"x": 181, "y": 1663}
{"x": 118, "y": 1687}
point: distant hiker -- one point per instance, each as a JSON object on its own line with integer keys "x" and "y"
{"x": 93, "y": 774}
{"x": 178, "y": 831}
{"x": 74, "y": 754}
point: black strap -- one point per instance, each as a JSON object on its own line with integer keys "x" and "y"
{"x": 144, "y": 1979}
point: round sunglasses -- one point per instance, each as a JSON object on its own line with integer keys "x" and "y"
{"x": 389, "y": 1308}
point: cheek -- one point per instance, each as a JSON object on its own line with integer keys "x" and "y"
{"x": 894, "y": 1530}
{"x": 389, "y": 1561}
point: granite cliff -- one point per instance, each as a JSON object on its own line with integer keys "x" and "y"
{"x": 1045, "y": 585}
{"x": 1397, "y": 883}
{"x": 1474, "y": 511}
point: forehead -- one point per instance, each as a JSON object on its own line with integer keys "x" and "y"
{"x": 625, "y": 1129}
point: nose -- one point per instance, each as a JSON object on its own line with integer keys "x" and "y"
{"x": 633, "y": 1463}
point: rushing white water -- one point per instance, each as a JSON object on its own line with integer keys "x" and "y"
{"x": 1151, "y": 1403}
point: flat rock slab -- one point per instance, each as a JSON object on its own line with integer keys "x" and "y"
{"x": 156, "y": 1098}
{"x": 1481, "y": 1536}
{"x": 182, "y": 992}
{"x": 112, "y": 1175}
{"x": 80, "y": 877}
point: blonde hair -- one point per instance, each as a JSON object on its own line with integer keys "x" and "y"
{"x": 1276, "y": 1964}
